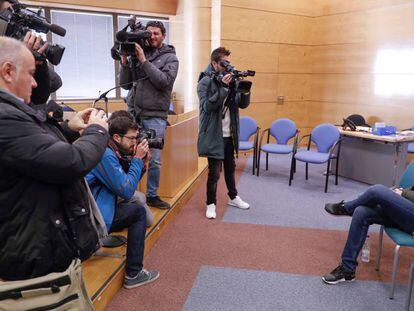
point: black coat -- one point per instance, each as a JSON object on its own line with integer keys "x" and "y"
{"x": 44, "y": 219}
{"x": 212, "y": 97}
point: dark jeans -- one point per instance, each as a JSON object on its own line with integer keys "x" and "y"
{"x": 133, "y": 217}
{"x": 377, "y": 205}
{"x": 214, "y": 169}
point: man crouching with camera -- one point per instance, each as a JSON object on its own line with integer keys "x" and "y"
{"x": 45, "y": 217}
{"x": 114, "y": 182}
{"x": 220, "y": 101}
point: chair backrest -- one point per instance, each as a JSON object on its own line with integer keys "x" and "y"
{"x": 325, "y": 136}
{"x": 407, "y": 178}
{"x": 248, "y": 127}
{"x": 357, "y": 119}
{"x": 283, "y": 130}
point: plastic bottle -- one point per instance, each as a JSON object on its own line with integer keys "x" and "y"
{"x": 365, "y": 252}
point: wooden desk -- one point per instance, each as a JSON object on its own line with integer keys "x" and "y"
{"x": 373, "y": 159}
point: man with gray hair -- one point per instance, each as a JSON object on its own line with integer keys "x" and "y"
{"x": 45, "y": 221}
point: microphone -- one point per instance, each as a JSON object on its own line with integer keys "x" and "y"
{"x": 57, "y": 30}
{"x": 103, "y": 95}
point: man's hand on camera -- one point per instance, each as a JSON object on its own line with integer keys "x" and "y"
{"x": 140, "y": 53}
{"x": 124, "y": 60}
{"x": 227, "y": 78}
{"x": 79, "y": 121}
{"x": 34, "y": 42}
{"x": 147, "y": 157}
{"x": 141, "y": 150}
{"x": 98, "y": 117}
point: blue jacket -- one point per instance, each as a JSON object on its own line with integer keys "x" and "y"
{"x": 108, "y": 181}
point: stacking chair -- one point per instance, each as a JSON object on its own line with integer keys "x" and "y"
{"x": 282, "y": 130}
{"x": 248, "y": 127}
{"x": 326, "y": 137}
{"x": 399, "y": 237}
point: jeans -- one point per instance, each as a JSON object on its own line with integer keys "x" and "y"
{"x": 214, "y": 169}
{"x": 132, "y": 216}
{"x": 153, "y": 178}
{"x": 377, "y": 205}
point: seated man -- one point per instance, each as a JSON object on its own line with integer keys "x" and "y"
{"x": 115, "y": 176}
{"x": 377, "y": 205}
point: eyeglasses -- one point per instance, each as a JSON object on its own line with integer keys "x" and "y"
{"x": 132, "y": 138}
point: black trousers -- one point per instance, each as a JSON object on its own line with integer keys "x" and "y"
{"x": 214, "y": 169}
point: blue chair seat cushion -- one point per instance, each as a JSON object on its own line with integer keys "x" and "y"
{"x": 277, "y": 148}
{"x": 400, "y": 237}
{"x": 246, "y": 145}
{"x": 312, "y": 156}
{"x": 411, "y": 147}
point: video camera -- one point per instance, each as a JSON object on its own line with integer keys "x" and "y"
{"x": 126, "y": 40}
{"x": 17, "y": 20}
{"x": 240, "y": 85}
{"x": 149, "y": 135}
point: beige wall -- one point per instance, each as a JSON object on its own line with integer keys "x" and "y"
{"x": 320, "y": 55}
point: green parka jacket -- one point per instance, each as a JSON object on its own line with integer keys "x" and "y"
{"x": 212, "y": 96}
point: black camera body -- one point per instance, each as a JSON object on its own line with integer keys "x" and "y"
{"x": 150, "y": 136}
{"x": 237, "y": 83}
{"x": 16, "y": 21}
{"x": 125, "y": 40}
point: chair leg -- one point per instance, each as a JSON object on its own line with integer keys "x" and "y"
{"x": 410, "y": 288}
{"x": 381, "y": 236}
{"x": 292, "y": 163}
{"x": 294, "y": 166}
{"x": 267, "y": 161}
{"x": 336, "y": 171}
{"x": 254, "y": 161}
{"x": 327, "y": 176}
{"x": 394, "y": 270}
{"x": 258, "y": 163}
{"x": 306, "y": 170}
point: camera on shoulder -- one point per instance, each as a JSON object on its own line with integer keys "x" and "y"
{"x": 238, "y": 83}
{"x": 17, "y": 20}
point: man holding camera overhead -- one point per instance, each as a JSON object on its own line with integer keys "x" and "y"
{"x": 220, "y": 101}
{"x": 149, "y": 100}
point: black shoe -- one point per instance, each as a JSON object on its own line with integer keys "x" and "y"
{"x": 339, "y": 275}
{"x": 157, "y": 202}
{"x": 337, "y": 209}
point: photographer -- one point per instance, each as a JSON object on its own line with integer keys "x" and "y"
{"x": 219, "y": 127}
{"x": 47, "y": 80}
{"x": 113, "y": 183}
{"x": 45, "y": 220}
{"x": 155, "y": 72}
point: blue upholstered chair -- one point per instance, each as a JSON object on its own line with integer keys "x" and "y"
{"x": 282, "y": 130}
{"x": 411, "y": 148}
{"x": 399, "y": 237}
{"x": 248, "y": 128}
{"x": 326, "y": 137}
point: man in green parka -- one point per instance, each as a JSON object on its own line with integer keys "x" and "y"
{"x": 219, "y": 127}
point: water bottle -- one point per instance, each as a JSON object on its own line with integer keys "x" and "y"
{"x": 365, "y": 250}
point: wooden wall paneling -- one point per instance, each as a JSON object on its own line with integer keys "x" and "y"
{"x": 264, "y": 87}
{"x": 295, "y": 58}
{"x": 296, "y": 7}
{"x": 261, "y": 57}
{"x": 297, "y": 111}
{"x": 263, "y": 113}
{"x": 154, "y": 6}
{"x": 390, "y": 24}
{"x": 344, "y": 28}
{"x": 344, "y": 58}
{"x": 268, "y": 27}
{"x": 328, "y": 7}
{"x": 294, "y": 87}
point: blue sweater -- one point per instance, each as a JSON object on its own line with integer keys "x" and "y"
{"x": 108, "y": 181}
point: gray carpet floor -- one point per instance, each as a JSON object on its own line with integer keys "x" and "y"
{"x": 219, "y": 288}
{"x": 273, "y": 202}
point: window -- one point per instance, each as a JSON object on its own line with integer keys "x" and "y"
{"x": 87, "y": 68}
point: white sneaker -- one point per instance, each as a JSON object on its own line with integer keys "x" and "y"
{"x": 211, "y": 211}
{"x": 239, "y": 203}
